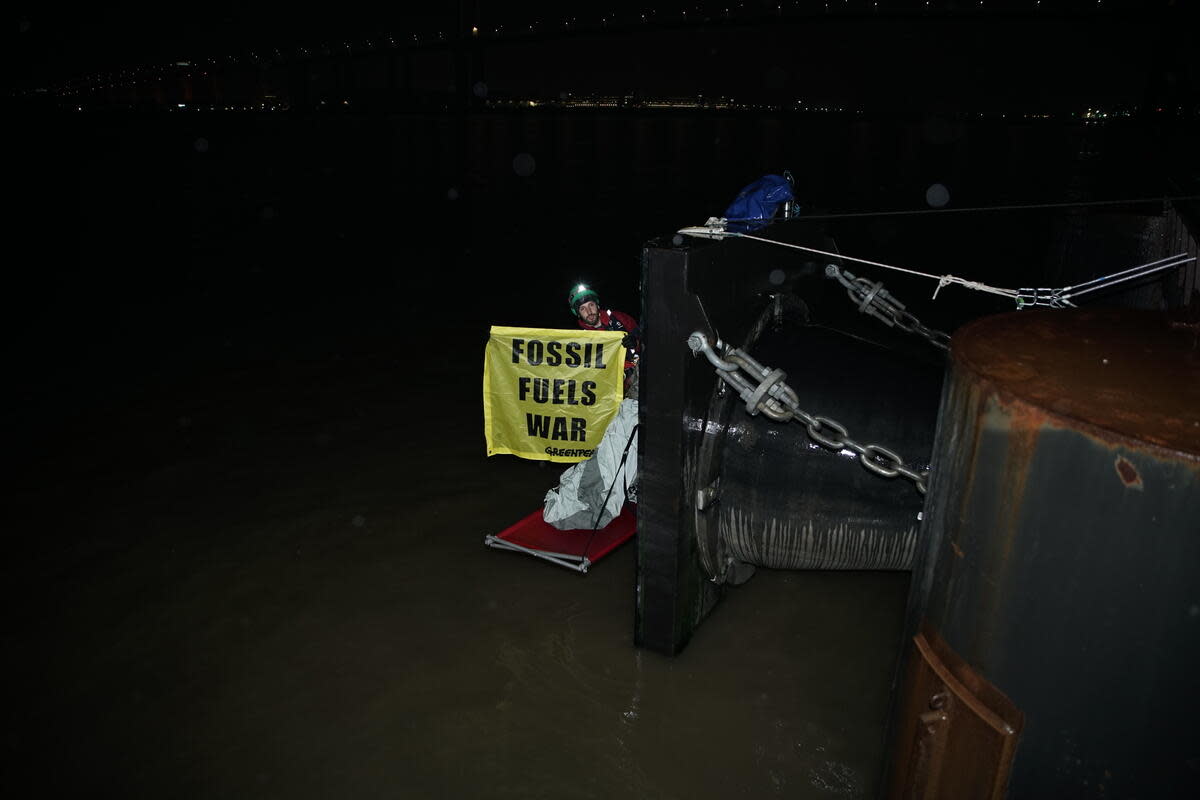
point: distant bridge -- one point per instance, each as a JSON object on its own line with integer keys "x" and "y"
{"x": 791, "y": 54}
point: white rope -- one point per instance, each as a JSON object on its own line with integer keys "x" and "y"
{"x": 714, "y": 229}
{"x": 942, "y": 280}
{"x": 1170, "y": 262}
{"x": 1055, "y": 298}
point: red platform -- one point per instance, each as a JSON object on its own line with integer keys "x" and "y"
{"x": 576, "y": 549}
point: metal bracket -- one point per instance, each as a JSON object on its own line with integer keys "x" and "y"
{"x": 708, "y": 496}
{"x": 577, "y": 563}
{"x": 755, "y": 398}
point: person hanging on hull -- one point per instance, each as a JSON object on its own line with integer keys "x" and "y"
{"x": 585, "y": 305}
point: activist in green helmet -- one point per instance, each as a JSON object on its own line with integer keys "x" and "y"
{"x": 585, "y": 305}
{"x": 580, "y": 295}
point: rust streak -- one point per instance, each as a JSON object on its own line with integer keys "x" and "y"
{"x": 1128, "y": 474}
{"x": 1125, "y": 374}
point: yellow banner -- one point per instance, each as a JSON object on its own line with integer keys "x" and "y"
{"x": 549, "y": 394}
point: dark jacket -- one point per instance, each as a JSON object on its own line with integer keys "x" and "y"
{"x": 618, "y": 321}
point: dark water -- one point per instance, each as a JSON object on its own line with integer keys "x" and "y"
{"x": 245, "y": 485}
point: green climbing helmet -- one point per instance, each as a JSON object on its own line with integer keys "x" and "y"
{"x": 580, "y": 295}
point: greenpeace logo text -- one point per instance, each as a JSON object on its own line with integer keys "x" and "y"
{"x": 578, "y": 453}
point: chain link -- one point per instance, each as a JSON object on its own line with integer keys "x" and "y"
{"x": 819, "y": 423}
{"x": 874, "y": 300}
{"x": 767, "y": 393}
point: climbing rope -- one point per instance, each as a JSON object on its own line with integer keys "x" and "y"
{"x": 913, "y": 212}
{"x": 1170, "y": 262}
{"x": 715, "y": 228}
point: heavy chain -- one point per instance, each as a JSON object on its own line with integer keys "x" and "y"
{"x": 764, "y": 391}
{"x": 873, "y": 299}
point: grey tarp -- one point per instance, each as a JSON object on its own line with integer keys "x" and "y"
{"x": 581, "y": 489}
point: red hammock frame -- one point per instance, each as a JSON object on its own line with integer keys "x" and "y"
{"x": 574, "y": 549}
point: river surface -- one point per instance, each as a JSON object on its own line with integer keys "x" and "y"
{"x": 272, "y": 582}
{"x": 246, "y": 490}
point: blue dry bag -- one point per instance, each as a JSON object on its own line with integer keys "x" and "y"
{"x": 755, "y": 206}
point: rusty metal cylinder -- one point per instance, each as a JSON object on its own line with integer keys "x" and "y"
{"x": 1063, "y": 543}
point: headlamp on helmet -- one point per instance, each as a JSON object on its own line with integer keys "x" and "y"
{"x": 580, "y": 295}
